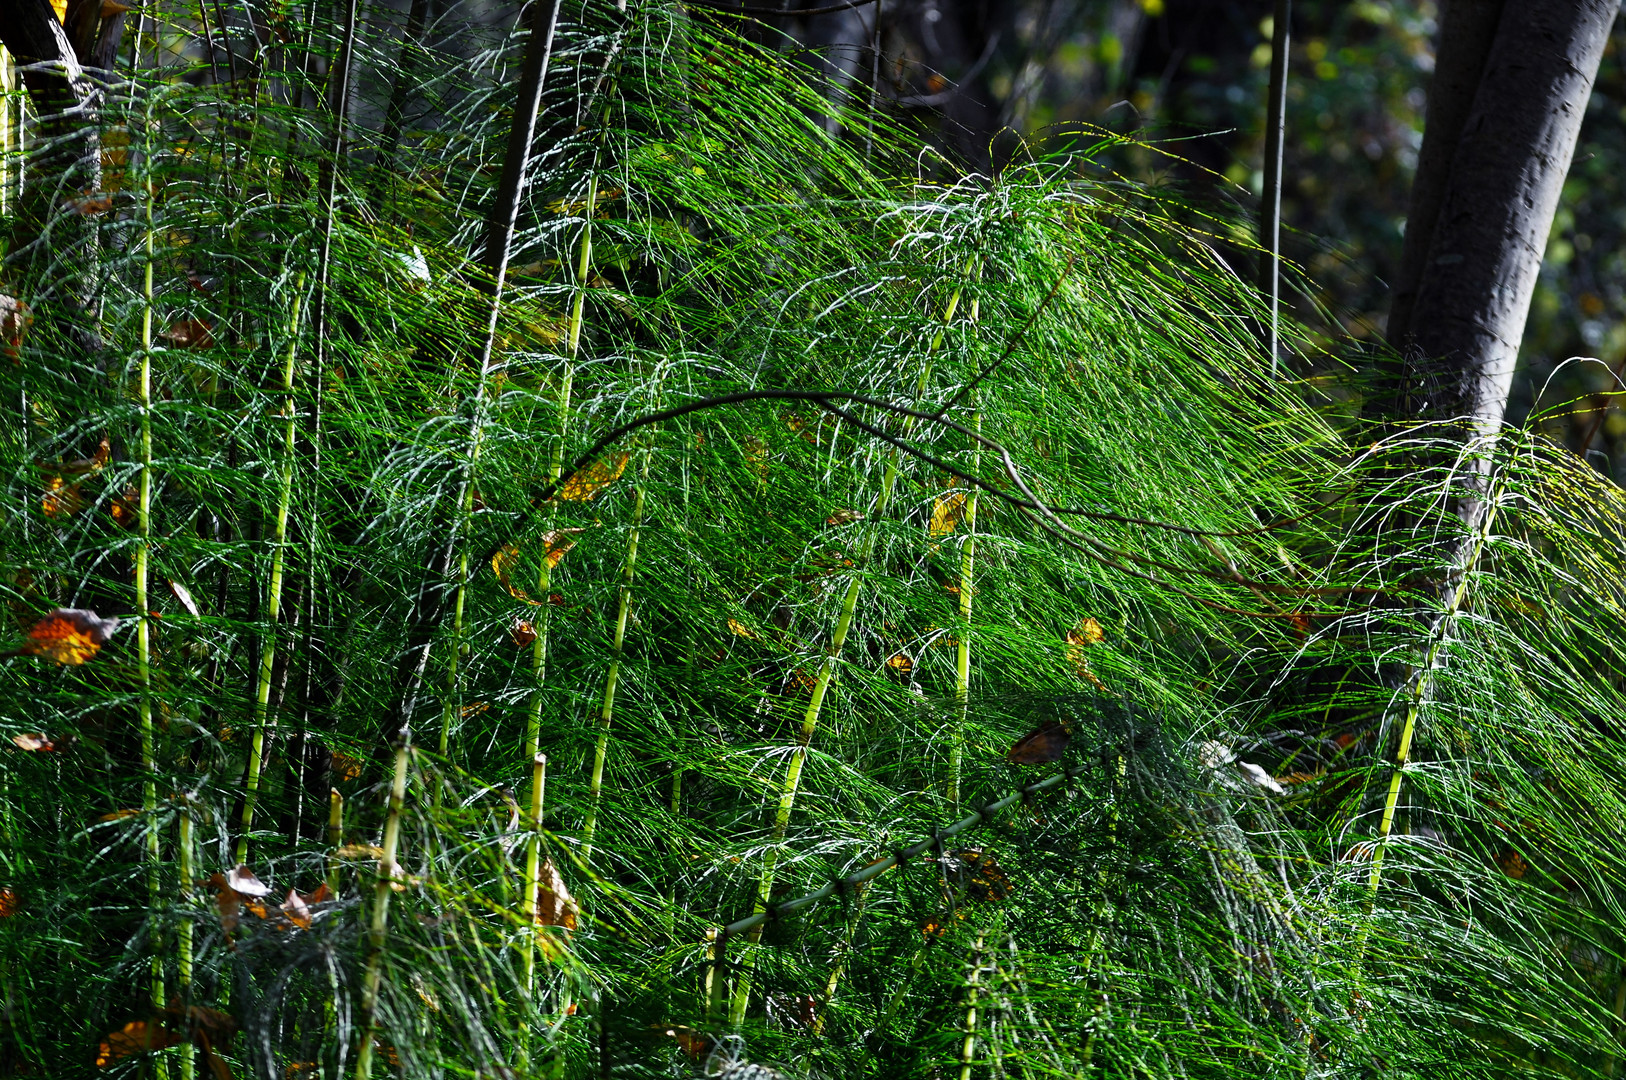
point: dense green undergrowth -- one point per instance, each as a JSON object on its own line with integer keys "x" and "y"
{"x": 1059, "y": 508}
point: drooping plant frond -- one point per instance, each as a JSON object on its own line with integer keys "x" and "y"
{"x": 986, "y": 666}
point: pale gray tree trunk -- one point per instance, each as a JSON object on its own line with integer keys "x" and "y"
{"x": 1511, "y": 87}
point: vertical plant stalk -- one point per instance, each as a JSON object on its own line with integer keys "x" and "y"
{"x": 1422, "y": 680}
{"x": 143, "y": 549}
{"x": 383, "y": 888}
{"x": 527, "y": 906}
{"x": 273, "y": 600}
{"x": 335, "y": 836}
{"x": 183, "y": 945}
{"x": 962, "y": 653}
{"x": 618, "y": 645}
{"x": 1270, "y": 215}
{"x": 968, "y": 1048}
{"x": 821, "y": 686}
{"x": 501, "y": 223}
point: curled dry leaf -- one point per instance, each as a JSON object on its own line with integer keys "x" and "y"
{"x": 1044, "y": 744}
{"x": 136, "y": 1037}
{"x": 68, "y": 636}
{"x": 34, "y": 741}
{"x": 359, "y": 851}
{"x": 1088, "y": 632}
{"x": 242, "y": 880}
{"x": 522, "y": 633}
{"x": 10, "y": 902}
{"x": 585, "y": 484}
{"x": 296, "y": 910}
{"x": 554, "y": 904}
{"x": 901, "y": 662}
{"x": 118, "y": 815}
{"x": 184, "y": 595}
{"x": 14, "y": 323}
{"x": 90, "y": 204}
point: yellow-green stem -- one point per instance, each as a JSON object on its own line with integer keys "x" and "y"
{"x": 273, "y": 602}
{"x": 377, "y": 931}
{"x": 184, "y": 932}
{"x": 335, "y": 836}
{"x": 968, "y": 1049}
{"x": 533, "y": 887}
{"x": 962, "y": 657}
{"x": 1421, "y": 680}
{"x": 618, "y": 645}
{"x": 149, "y": 765}
{"x": 821, "y": 685}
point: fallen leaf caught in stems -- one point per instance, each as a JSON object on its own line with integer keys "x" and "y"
{"x": 10, "y": 902}
{"x": 67, "y": 636}
{"x": 554, "y": 905}
{"x": 947, "y": 512}
{"x": 344, "y": 767}
{"x": 588, "y": 482}
{"x": 1046, "y": 743}
{"x": 976, "y": 871}
{"x": 136, "y": 1037}
{"x": 43, "y": 743}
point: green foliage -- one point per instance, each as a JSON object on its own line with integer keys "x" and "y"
{"x": 1272, "y": 589}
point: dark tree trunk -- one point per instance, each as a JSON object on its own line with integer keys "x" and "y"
{"x": 63, "y": 96}
{"x": 1510, "y": 89}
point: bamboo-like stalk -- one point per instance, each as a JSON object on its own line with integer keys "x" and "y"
{"x": 183, "y": 945}
{"x": 533, "y": 887}
{"x": 383, "y": 887}
{"x": 143, "y": 549}
{"x": 335, "y": 836}
{"x": 962, "y": 656}
{"x": 618, "y": 645}
{"x": 968, "y": 1048}
{"x": 827, "y": 668}
{"x": 1422, "y": 680}
{"x": 273, "y": 603}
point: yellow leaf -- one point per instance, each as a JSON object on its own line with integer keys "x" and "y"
{"x": 587, "y": 483}
{"x": 554, "y": 905}
{"x": 947, "y": 512}
{"x": 739, "y": 629}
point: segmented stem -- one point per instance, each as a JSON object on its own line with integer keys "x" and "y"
{"x": 273, "y": 601}
{"x": 383, "y": 887}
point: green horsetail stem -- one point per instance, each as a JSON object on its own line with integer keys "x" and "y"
{"x": 821, "y": 686}
{"x": 335, "y": 836}
{"x": 618, "y": 645}
{"x": 383, "y": 886}
{"x": 968, "y": 1048}
{"x": 149, "y": 766}
{"x": 533, "y": 887}
{"x": 273, "y": 601}
{"x": 183, "y": 932}
{"x": 1422, "y": 680}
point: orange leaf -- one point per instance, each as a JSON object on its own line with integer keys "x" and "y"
{"x": 10, "y": 904}
{"x": 474, "y": 709}
{"x": 62, "y": 499}
{"x": 89, "y": 205}
{"x": 119, "y": 815}
{"x": 1512, "y": 864}
{"x": 502, "y": 564}
{"x": 901, "y": 662}
{"x": 554, "y": 905}
{"x": 587, "y": 483}
{"x": 522, "y": 633}
{"x": 136, "y": 1037}
{"x": 344, "y": 767}
{"x": 69, "y": 636}
{"x": 322, "y": 895}
{"x": 125, "y": 508}
{"x": 34, "y": 741}
{"x": 1046, "y": 743}
{"x": 297, "y": 910}
{"x": 981, "y": 875}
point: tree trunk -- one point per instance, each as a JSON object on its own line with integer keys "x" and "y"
{"x": 64, "y": 99}
{"x": 1503, "y": 118}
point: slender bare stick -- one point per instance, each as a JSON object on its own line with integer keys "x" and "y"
{"x": 533, "y": 887}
